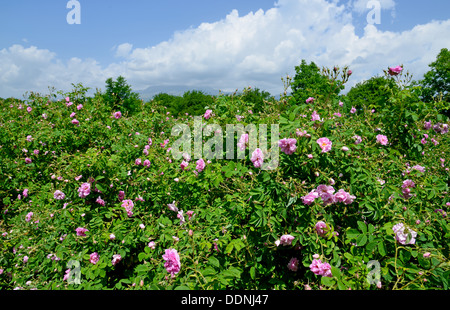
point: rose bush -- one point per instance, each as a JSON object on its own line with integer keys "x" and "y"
{"x": 102, "y": 200}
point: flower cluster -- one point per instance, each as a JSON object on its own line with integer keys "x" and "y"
{"x": 319, "y": 268}
{"x": 406, "y": 188}
{"x": 328, "y": 195}
{"x": 58, "y": 195}
{"x": 285, "y": 240}
{"x": 128, "y": 205}
{"x": 84, "y": 190}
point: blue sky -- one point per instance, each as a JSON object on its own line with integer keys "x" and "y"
{"x": 216, "y": 43}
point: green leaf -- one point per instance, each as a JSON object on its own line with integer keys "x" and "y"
{"x": 214, "y": 262}
{"x": 382, "y": 248}
{"x": 253, "y": 272}
{"x": 361, "y": 240}
{"x": 182, "y": 288}
{"x": 362, "y": 226}
{"x": 327, "y": 281}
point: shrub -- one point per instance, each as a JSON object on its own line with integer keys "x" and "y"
{"x": 102, "y": 204}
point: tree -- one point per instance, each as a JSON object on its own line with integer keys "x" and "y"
{"x": 310, "y": 81}
{"x": 256, "y": 97}
{"x": 372, "y": 93}
{"x": 436, "y": 82}
{"x": 120, "y": 96}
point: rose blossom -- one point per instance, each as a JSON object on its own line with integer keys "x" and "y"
{"x": 288, "y": 145}
{"x": 257, "y": 158}
{"x": 325, "y": 144}
{"x": 172, "y": 263}
{"x": 93, "y": 258}
{"x": 401, "y": 235}
{"x": 383, "y": 140}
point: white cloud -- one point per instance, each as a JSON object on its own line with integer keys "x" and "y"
{"x": 123, "y": 50}
{"x": 256, "y": 49}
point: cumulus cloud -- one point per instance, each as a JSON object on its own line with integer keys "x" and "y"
{"x": 255, "y": 49}
{"x": 123, "y": 50}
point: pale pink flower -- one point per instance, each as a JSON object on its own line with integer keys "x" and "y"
{"x": 200, "y": 165}
{"x": 357, "y": 138}
{"x": 93, "y": 258}
{"x": 310, "y": 100}
{"x": 79, "y": 107}
{"x": 325, "y": 144}
{"x": 163, "y": 145}
{"x": 285, "y": 240}
{"x": 117, "y": 114}
{"x": 257, "y": 158}
{"x": 315, "y": 116}
{"x": 288, "y": 146}
{"x": 28, "y": 217}
{"x": 172, "y": 207}
{"x": 243, "y": 141}
{"x": 310, "y": 197}
{"x": 28, "y": 160}
{"x": 128, "y": 205}
{"x": 402, "y": 236}
{"x": 116, "y": 259}
{"x": 59, "y": 195}
{"x": 84, "y": 190}
{"x": 75, "y": 121}
{"x": 382, "y": 139}
{"x": 100, "y": 201}
{"x": 172, "y": 264}
{"x": 208, "y": 114}
{"x": 81, "y": 231}
{"x": 319, "y": 268}
{"x": 321, "y": 228}
{"x": 147, "y": 163}
{"x": 184, "y": 164}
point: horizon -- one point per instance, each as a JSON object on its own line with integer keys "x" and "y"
{"x": 202, "y": 45}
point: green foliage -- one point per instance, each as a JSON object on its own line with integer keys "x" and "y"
{"x": 310, "y": 81}
{"x": 258, "y": 98}
{"x": 373, "y": 93}
{"x": 192, "y": 102}
{"x": 120, "y": 97}
{"x": 234, "y": 214}
{"x": 436, "y": 81}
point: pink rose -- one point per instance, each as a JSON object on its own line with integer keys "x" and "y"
{"x": 325, "y": 144}
{"x": 395, "y": 70}
{"x": 383, "y": 140}
{"x": 257, "y": 158}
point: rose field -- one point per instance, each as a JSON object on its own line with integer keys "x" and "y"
{"x": 92, "y": 197}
